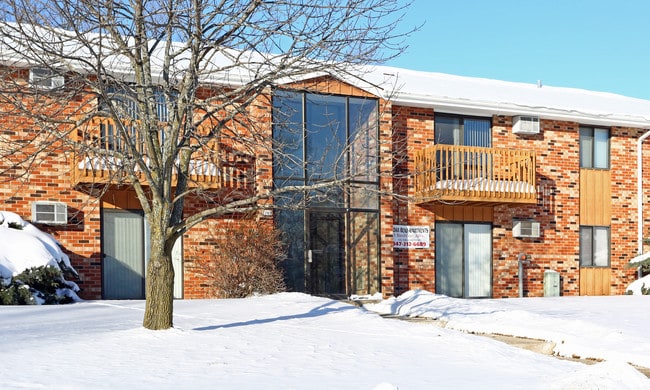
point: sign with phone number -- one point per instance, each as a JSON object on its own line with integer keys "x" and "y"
{"x": 407, "y": 236}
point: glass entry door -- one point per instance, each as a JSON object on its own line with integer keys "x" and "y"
{"x": 464, "y": 260}
{"x": 326, "y": 253}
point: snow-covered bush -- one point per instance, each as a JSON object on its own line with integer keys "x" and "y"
{"x": 639, "y": 287}
{"x": 38, "y": 285}
{"x": 31, "y": 261}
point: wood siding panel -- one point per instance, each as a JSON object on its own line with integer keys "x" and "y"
{"x": 595, "y": 281}
{"x": 329, "y": 85}
{"x": 121, "y": 199}
{"x": 595, "y": 197}
{"x": 464, "y": 213}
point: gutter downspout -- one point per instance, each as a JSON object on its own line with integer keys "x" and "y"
{"x": 639, "y": 189}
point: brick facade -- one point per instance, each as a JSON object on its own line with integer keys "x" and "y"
{"x": 557, "y": 208}
{"x": 403, "y": 130}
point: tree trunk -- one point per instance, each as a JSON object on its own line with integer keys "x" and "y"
{"x": 159, "y": 284}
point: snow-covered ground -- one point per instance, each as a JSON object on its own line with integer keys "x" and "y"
{"x": 296, "y": 341}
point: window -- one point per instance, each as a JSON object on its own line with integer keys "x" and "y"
{"x": 594, "y": 147}
{"x": 44, "y": 78}
{"x": 324, "y": 137}
{"x": 594, "y": 246}
{"x": 126, "y": 105}
{"x": 332, "y": 233}
{"x": 459, "y": 130}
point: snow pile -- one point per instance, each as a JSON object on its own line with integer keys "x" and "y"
{"x": 24, "y": 246}
{"x": 638, "y": 285}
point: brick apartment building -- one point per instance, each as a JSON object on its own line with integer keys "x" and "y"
{"x": 470, "y": 188}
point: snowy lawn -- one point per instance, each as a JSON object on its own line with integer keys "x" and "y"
{"x": 295, "y": 341}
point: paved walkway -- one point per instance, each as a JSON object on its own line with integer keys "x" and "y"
{"x": 535, "y": 345}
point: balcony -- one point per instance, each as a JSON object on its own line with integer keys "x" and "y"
{"x": 476, "y": 175}
{"x": 213, "y": 167}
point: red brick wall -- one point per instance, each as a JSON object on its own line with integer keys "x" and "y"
{"x": 558, "y": 178}
{"x": 28, "y": 176}
{"x": 624, "y": 205}
{"x": 557, "y": 209}
{"x": 412, "y": 129}
{"x": 403, "y": 130}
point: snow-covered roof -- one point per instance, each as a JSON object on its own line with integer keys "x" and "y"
{"x": 480, "y": 96}
{"x": 443, "y": 92}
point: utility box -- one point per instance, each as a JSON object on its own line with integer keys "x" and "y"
{"x": 551, "y": 284}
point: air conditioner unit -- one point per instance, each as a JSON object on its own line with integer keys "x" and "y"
{"x": 45, "y": 79}
{"x": 525, "y": 125}
{"x": 51, "y": 213}
{"x": 522, "y": 228}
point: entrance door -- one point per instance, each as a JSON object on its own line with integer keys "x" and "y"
{"x": 126, "y": 252}
{"x": 123, "y": 247}
{"x": 464, "y": 260}
{"x": 326, "y": 254}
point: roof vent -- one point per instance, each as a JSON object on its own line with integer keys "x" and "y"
{"x": 44, "y": 78}
{"x": 50, "y": 213}
{"x": 525, "y": 125}
{"x": 522, "y": 229}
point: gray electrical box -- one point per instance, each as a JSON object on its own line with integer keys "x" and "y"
{"x": 551, "y": 284}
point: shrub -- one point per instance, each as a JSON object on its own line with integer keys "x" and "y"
{"x": 245, "y": 260}
{"x": 16, "y": 294}
{"x": 44, "y": 285}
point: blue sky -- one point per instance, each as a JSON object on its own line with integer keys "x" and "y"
{"x": 592, "y": 44}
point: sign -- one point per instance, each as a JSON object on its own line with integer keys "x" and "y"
{"x": 406, "y": 236}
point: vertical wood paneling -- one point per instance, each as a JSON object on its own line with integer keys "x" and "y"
{"x": 595, "y": 197}
{"x": 464, "y": 213}
{"x": 595, "y": 281}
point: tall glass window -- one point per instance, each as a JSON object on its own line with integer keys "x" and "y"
{"x": 332, "y": 232}
{"x": 323, "y": 137}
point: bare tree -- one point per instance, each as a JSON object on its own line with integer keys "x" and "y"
{"x": 159, "y": 92}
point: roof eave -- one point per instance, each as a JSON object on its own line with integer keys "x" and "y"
{"x": 483, "y": 108}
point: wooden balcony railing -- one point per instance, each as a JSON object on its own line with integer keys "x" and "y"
{"x": 213, "y": 166}
{"x": 445, "y": 173}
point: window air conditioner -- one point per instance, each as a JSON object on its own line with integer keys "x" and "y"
{"x": 51, "y": 213}
{"x": 45, "y": 79}
{"x": 525, "y": 229}
{"x": 525, "y": 125}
